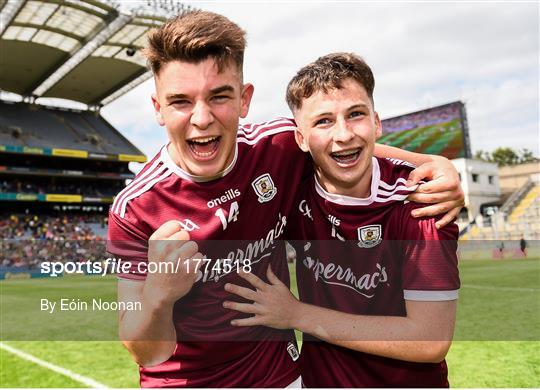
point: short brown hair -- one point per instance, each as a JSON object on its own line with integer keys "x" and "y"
{"x": 193, "y": 37}
{"x": 328, "y": 72}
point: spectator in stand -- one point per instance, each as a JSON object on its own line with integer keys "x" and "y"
{"x": 32, "y": 239}
{"x": 29, "y": 187}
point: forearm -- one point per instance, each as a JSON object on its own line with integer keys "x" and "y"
{"x": 395, "y": 337}
{"x": 410, "y": 351}
{"x": 385, "y": 151}
{"x": 149, "y": 333}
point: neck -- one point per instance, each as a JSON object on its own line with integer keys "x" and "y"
{"x": 174, "y": 156}
{"x": 360, "y": 190}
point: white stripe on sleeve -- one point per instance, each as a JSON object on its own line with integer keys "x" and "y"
{"x": 418, "y": 295}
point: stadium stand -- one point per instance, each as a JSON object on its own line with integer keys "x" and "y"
{"x": 46, "y": 152}
{"x": 61, "y": 167}
{"x": 31, "y": 239}
{"x": 55, "y": 227}
{"x": 43, "y": 185}
{"x": 518, "y": 217}
{"x": 36, "y": 126}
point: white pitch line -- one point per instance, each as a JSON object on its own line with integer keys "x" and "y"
{"x": 494, "y": 288}
{"x": 60, "y": 370}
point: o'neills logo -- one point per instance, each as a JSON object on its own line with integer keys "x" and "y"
{"x": 230, "y": 194}
{"x": 336, "y": 275}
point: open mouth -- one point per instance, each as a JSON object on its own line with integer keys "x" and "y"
{"x": 204, "y": 147}
{"x": 346, "y": 157}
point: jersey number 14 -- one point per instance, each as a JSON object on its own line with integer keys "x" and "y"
{"x": 232, "y": 215}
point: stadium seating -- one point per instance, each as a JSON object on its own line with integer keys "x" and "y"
{"x": 528, "y": 207}
{"x": 58, "y": 159}
{"x": 53, "y": 227}
{"x": 43, "y": 185}
{"x": 32, "y": 239}
{"x": 23, "y": 124}
{"x": 521, "y": 218}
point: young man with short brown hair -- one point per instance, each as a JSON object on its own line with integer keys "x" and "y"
{"x": 378, "y": 288}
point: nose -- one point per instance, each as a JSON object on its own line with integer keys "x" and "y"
{"x": 201, "y": 116}
{"x": 342, "y": 132}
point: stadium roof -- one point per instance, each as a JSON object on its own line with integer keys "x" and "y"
{"x": 82, "y": 50}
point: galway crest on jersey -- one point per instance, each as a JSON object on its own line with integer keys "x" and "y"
{"x": 264, "y": 187}
{"x": 369, "y": 236}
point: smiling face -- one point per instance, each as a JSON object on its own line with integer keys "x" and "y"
{"x": 339, "y": 129}
{"x": 201, "y": 108}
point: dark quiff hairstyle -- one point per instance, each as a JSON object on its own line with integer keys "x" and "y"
{"x": 193, "y": 37}
{"x": 327, "y": 73}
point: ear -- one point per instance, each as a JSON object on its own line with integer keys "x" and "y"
{"x": 245, "y": 100}
{"x": 157, "y": 110}
{"x": 378, "y": 124}
{"x": 300, "y": 139}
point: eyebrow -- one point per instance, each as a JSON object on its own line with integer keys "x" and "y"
{"x": 353, "y": 107}
{"x": 173, "y": 96}
{"x": 223, "y": 88}
{"x": 215, "y": 91}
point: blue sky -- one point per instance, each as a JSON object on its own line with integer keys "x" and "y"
{"x": 485, "y": 54}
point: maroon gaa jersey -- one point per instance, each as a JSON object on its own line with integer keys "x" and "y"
{"x": 250, "y": 201}
{"x": 367, "y": 256}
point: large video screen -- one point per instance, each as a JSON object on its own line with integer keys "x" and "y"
{"x": 440, "y": 130}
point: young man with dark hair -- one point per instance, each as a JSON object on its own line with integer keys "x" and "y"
{"x": 214, "y": 180}
{"x": 378, "y": 288}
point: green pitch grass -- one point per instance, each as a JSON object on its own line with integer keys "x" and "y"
{"x": 499, "y": 300}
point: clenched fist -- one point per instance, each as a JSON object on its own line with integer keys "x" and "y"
{"x": 171, "y": 270}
